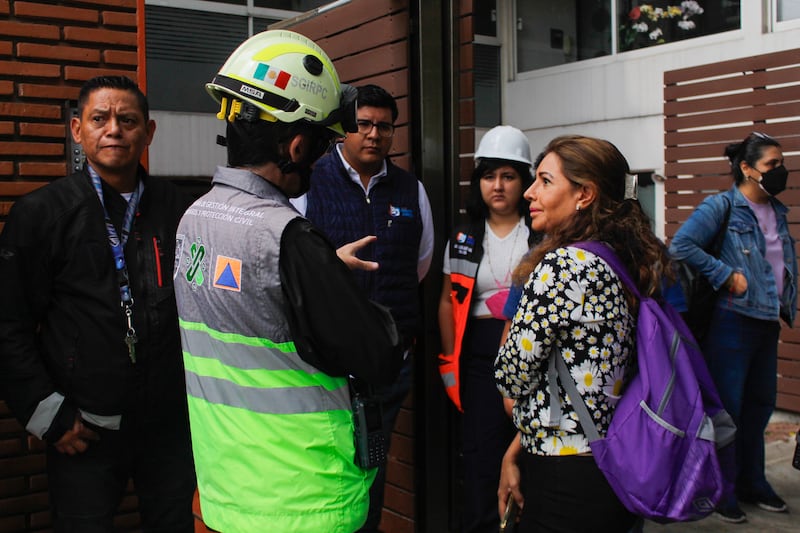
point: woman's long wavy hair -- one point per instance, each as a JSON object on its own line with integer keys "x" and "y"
{"x": 610, "y": 217}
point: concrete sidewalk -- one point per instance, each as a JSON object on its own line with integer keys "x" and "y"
{"x": 785, "y": 480}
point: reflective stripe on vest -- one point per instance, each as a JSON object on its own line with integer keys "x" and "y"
{"x": 463, "y": 267}
{"x": 240, "y": 374}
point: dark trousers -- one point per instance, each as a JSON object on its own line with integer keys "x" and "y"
{"x": 486, "y": 430}
{"x": 391, "y": 398}
{"x": 569, "y": 495}
{"x": 742, "y": 355}
{"x": 86, "y": 489}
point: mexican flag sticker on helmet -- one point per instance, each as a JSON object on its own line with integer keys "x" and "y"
{"x": 272, "y": 75}
{"x": 286, "y": 76}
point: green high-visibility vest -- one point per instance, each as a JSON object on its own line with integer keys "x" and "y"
{"x": 272, "y": 436}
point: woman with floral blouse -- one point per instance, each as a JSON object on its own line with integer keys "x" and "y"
{"x": 575, "y": 306}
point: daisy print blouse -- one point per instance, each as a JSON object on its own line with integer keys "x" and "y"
{"x": 572, "y": 303}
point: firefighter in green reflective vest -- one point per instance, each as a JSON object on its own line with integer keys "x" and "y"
{"x": 272, "y": 323}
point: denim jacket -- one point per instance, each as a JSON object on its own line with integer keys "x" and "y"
{"x": 743, "y": 250}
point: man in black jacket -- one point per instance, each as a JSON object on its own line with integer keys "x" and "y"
{"x": 90, "y": 357}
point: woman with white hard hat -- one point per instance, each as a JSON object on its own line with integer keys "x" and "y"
{"x": 479, "y": 259}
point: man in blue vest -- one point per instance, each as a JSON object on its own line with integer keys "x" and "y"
{"x": 357, "y": 192}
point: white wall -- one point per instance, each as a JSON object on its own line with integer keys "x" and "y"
{"x": 620, "y": 97}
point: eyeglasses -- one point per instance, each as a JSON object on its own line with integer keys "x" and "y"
{"x": 384, "y": 128}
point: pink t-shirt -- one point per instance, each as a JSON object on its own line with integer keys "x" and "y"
{"x": 769, "y": 227}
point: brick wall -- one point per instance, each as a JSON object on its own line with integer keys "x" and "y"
{"x": 47, "y": 50}
{"x": 465, "y": 69}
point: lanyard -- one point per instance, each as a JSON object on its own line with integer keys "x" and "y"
{"x": 118, "y": 251}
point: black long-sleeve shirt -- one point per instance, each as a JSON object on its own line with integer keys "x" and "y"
{"x": 335, "y": 328}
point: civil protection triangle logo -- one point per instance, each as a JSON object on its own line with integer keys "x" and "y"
{"x": 228, "y": 273}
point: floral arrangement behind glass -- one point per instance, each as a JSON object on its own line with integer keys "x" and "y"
{"x": 646, "y": 25}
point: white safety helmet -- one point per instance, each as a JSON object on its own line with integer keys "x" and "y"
{"x": 286, "y": 76}
{"x": 505, "y": 142}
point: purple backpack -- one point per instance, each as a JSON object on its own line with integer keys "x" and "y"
{"x": 667, "y": 453}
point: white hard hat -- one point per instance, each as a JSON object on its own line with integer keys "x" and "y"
{"x": 505, "y": 142}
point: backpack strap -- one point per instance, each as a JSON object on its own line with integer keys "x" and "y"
{"x": 555, "y": 402}
{"x": 716, "y": 245}
{"x": 575, "y": 397}
{"x": 605, "y": 252}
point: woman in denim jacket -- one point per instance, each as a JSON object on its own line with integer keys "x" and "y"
{"x": 757, "y": 275}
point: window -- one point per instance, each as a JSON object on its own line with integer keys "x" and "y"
{"x": 554, "y": 33}
{"x": 486, "y": 57}
{"x": 646, "y": 194}
{"x": 186, "y": 47}
{"x": 645, "y": 24}
{"x": 787, "y": 10}
{"x": 487, "y": 85}
{"x": 485, "y": 17}
{"x": 291, "y": 5}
